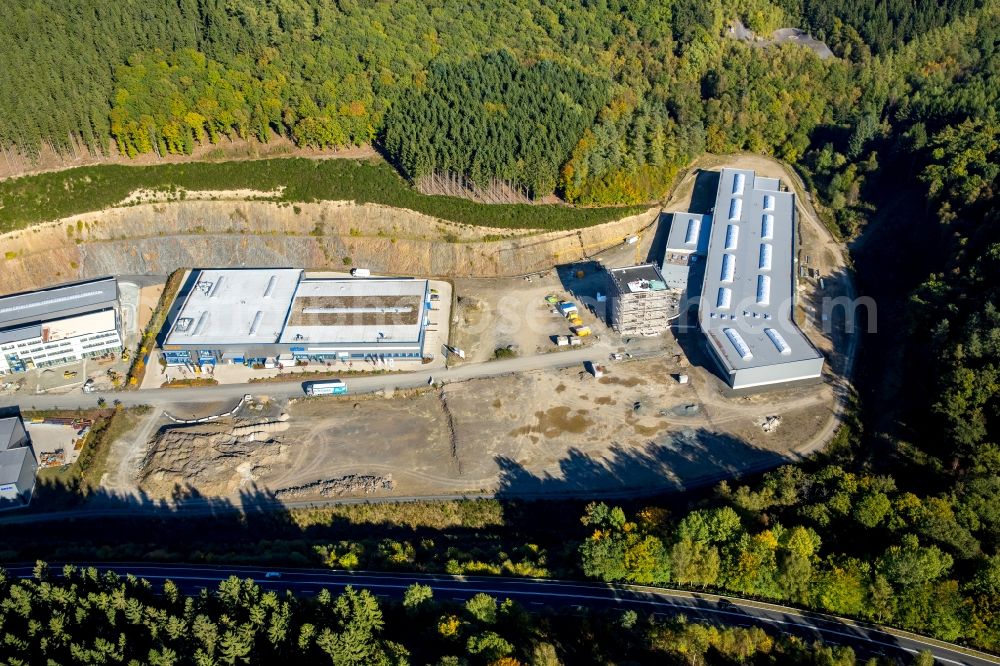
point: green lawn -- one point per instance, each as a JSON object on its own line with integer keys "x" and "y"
{"x": 32, "y": 199}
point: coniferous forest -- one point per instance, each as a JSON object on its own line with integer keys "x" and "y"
{"x": 83, "y": 616}
{"x": 620, "y": 95}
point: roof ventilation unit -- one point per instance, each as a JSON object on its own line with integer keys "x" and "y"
{"x": 202, "y": 323}
{"x": 735, "y": 209}
{"x": 778, "y": 341}
{"x": 694, "y": 226}
{"x": 738, "y": 181}
{"x": 725, "y": 298}
{"x": 739, "y": 343}
{"x": 768, "y": 202}
{"x": 763, "y": 290}
{"x": 732, "y": 236}
{"x": 256, "y": 322}
{"x": 765, "y": 257}
{"x": 215, "y": 289}
{"x": 728, "y": 268}
{"x": 270, "y": 286}
{"x": 767, "y": 227}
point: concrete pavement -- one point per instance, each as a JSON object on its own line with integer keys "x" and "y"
{"x": 534, "y": 594}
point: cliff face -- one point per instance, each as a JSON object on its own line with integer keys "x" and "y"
{"x": 158, "y": 238}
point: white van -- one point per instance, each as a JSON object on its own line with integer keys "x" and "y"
{"x": 360, "y": 272}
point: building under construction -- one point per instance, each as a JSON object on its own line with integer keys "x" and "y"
{"x": 639, "y": 302}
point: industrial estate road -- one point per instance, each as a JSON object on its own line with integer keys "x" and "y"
{"x": 368, "y": 384}
{"x": 535, "y": 593}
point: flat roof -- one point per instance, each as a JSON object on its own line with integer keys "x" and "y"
{"x": 234, "y": 306}
{"x": 634, "y": 279}
{"x": 356, "y": 310}
{"x": 12, "y": 462}
{"x": 58, "y": 301}
{"x": 8, "y": 426}
{"x": 278, "y": 305}
{"x": 746, "y": 302}
{"x": 689, "y": 233}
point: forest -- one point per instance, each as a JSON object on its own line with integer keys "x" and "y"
{"x": 493, "y": 119}
{"x": 83, "y": 616}
{"x": 897, "y": 138}
{"x": 603, "y": 102}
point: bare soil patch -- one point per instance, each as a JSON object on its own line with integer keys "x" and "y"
{"x": 519, "y": 435}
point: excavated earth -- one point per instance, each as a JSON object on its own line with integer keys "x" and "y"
{"x": 129, "y": 240}
{"x": 216, "y": 458}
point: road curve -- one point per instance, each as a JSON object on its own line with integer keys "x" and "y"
{"x": 535, "y": 593}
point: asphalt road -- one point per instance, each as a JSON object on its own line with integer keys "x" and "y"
{"x": 534, "y": 594}
{"x": 211, "y": 394}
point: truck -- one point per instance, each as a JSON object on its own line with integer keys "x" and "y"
{"x": 581, "y": 331}
{"x": 565, "y": 307}
{"x": 360, "y": 272}
{"x": 331, "y": 387}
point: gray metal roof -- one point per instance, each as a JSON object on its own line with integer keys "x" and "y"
{"x": 689, "y": 232}
{"x": 20, "y": 333}
{"x": 56, "y": 302}
{"x": 12, "y": 461}
{"x": 10, "y": 428}
{"x": 747, "y": 298}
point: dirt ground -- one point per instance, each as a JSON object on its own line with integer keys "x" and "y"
{"x": 148, "y": 298}
{"x": 497, "y": 312}
{"x": 635, "y": 429}
{"x": 503, "y": 312}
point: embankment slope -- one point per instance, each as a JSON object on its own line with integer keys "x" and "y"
{"x": 157, "y": 238}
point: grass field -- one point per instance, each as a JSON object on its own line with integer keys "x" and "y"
{"x": 32, "y": 199}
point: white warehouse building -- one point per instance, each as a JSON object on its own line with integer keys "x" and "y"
{"x": 745, "y": 289}
{"x": 256, "y": 315}
{"x": 59, "y": 325}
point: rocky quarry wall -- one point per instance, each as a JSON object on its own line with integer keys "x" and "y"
{"x": 158, "y": 238}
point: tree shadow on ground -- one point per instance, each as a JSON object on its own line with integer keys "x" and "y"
{"x": 73, "y": 524}
{"x": 683, "y": 460}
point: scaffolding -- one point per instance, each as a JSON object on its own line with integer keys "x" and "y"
{"x": 639, "y": 302}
